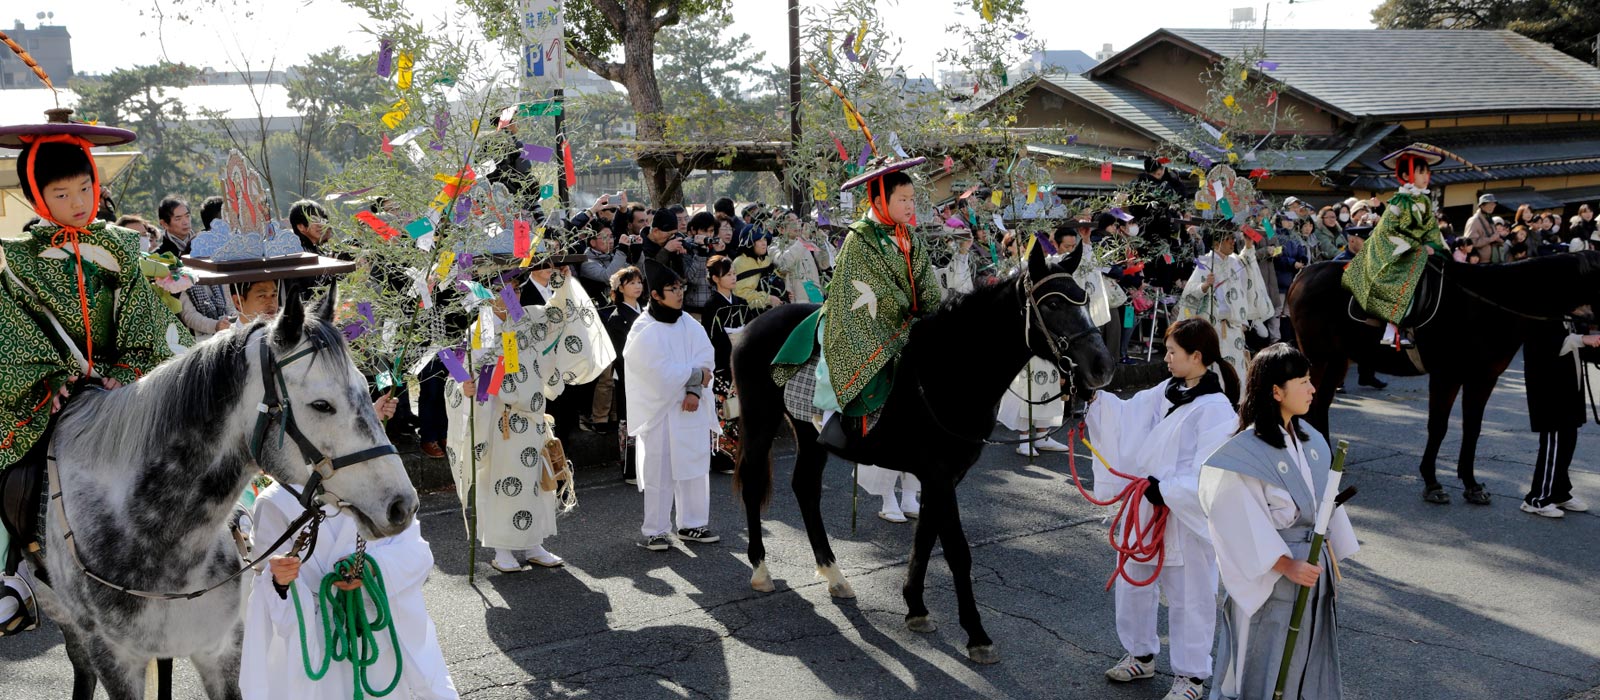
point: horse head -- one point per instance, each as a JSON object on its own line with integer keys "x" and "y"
{"x": 326, "y": 410}
{"x": 1059, "y": 327}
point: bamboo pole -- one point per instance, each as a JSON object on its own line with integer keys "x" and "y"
{"x": 1324, "y": 514}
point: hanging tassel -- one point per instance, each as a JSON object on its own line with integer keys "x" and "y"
{"x": 27, "y": 60}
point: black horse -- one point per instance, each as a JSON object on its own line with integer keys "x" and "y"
{"x": 1466, "y": 344}
{"x": 954, "y": 369}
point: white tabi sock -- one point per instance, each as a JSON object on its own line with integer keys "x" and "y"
{"x": 8, "y": 606}
{"x": 506, "y": 559}
{"x": 890, "y": 507}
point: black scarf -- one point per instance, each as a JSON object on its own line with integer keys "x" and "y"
{"x": 1181, "y": 394}
{"x": 663, "y": 313}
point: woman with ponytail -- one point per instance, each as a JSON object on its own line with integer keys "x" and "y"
{"x": 1164, "y": 434}
{"x": 1261, "y": 492}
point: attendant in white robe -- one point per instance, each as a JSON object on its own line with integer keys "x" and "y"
{"x": 271, "y": 665}
{"x": 1162, "y": 435}
{"x": 1227, "y": 290}
{"x": 670, "y": 365}
{"x": 558, "y": 343}
{"x": 1261, "y": 492}
{"x": 884, "y": 483}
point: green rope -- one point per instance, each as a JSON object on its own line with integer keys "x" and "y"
{"x": 347, "y": 634}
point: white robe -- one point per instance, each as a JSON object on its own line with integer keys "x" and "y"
{"x": 659, "y": 359}
{"x": 271, "y": 667}
{"x": 1094, "y": 283}
{"x": 1239, "y": 298}
{"x": 1138, "y": 438}
{"x": 1046, "y": 382}
{"x": 559, "y": 343}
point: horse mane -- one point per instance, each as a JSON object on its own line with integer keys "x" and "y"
{"x": 176, "y": 410}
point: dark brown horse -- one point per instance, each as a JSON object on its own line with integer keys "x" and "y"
{"x": 1465, "y": 345}
{"x": 958, "y": 362}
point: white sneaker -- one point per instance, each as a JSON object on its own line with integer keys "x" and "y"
{"x": 1131, "y": 669}
{"x": 1049, "y": 445}
{"x": 1550, "y": 511}
{"x": 1574, "y": 504}
{"x": 1183, "y": 688}
{"x": 1027, "y": 450}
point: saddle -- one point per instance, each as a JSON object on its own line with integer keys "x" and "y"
{"x": 1425, "y": 300}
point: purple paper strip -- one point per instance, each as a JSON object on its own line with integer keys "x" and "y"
{"x": 992, "y": 162}
{"x": 866, "y": 155}
{"x": 1267, "y": 65}
{"x": 537, "y": 153}
{"x": 451, "y": 359}
{"x": 484, "y": 375}
{"x": 849, "y": 47}
{"x": 463, "y": 209}
{"x": 508, "y": 294}
{"x": 365, "y": 309}
{"x": 1200, "y": 158}
{"x": 464, "y": 261}
{"x": 385, "y": 57}
{"x": 822, "y": 220}
{"x": 1019, "y": 36}
{"x": 1072, "y": 139}
{"x": 354, "y": 330}
{"x": 1120, "y": 214}
{"x": 441, "y": 121}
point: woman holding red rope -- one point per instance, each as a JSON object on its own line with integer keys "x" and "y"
{"x": 1156, "y": 443}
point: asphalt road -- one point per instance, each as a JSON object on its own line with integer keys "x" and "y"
{"x": 1456, "y": 601}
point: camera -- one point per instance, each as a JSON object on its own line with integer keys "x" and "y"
{"x": 689, "y": 246}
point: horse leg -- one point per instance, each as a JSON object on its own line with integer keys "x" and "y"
{"x": 808, "y": 465}
{"x": 936, "y": 496}
{"x": 1473, "y": 400}
{"x": 753, "y": 475}
{"x": 83, "y": 678}
{"x": 122, "y": 675}
{"x": 980, "y": 649}
{"x": 1442, "y": 392}
{"x": 163, "y": 679}
{"x": 1327, "y": 383}
{"x": 219, "y": 672}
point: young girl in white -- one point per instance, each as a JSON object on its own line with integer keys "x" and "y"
{"x": 1163, "y": 435}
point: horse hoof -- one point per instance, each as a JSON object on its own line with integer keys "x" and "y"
{"x": 838, "y": 587}
{"x": 1477, "y": 495}
{"x": 761, "y": 580}
{"x": 1436, "y": 494}
{"x": 983, "y": 654}
{"x": 921, "y": 624}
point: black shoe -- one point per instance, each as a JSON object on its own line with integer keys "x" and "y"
{"x": 1373, "y": 382}
{"x": 698, "y": 534}
{"x": 1339, "y": 389}
{"x": 656, "y": 543}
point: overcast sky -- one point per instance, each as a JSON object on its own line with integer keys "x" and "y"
{"x": 108, "y": 34}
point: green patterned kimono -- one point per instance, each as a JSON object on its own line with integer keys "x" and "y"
{"x": 129, "y": 323}
{"x": 1383, "y": 276}
{"x": 868, "y": 314}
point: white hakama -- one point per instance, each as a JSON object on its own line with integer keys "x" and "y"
{"x": 673, "y": 455}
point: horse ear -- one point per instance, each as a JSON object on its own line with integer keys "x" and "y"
{"x": 286, "y": 331}
{"x": 1038, "y": 266}
{"x": 324, "y": 309}
{"x": 1074, "y": 258}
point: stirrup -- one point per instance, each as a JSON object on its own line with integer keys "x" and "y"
{"x": 27, "y": 615}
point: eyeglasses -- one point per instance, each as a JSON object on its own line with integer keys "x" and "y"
{"x": 673, "y": 289}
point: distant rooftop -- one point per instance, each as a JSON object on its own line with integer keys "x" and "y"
{"x": 1399, "y": 73}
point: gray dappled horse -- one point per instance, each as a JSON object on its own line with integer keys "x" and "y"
{"x": 957, "y": 364}
{"x": 150, "y": 472}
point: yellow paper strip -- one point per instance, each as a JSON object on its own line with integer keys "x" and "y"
{"x": 508, "y": 350}
{"x": 446, "y": 259}
{"x": 403, "y": 65}
{"x": 1033, "y": 192}
{"x": 996, "y": 196}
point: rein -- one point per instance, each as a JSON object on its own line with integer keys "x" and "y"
{"x": 1063, "y": 363}
{"x": 273, "y": 404}
{"x": 1141, "y": 543}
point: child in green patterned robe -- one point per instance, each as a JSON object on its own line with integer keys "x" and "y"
{"x": 1383, "y": 276}
{"x": 73, "y": 304}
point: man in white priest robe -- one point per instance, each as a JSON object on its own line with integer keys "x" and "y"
{"x": 669, "y": 362}
{"x": 1227, "y": 290}
{"x": 558, "y": 343}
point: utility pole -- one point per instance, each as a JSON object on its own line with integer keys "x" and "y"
{"x": 796, "y": 192}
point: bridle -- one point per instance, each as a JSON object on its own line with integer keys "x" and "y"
{"x": 1027, "y": 292}
{"x": 273, "y": 408}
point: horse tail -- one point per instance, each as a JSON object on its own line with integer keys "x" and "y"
{"x": 761, "y": 408}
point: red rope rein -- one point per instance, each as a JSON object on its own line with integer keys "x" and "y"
{"x": 1139, "y": 542}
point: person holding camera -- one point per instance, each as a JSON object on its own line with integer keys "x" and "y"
{"x": 662, "y": 243}
{"x": 756, "y": 277}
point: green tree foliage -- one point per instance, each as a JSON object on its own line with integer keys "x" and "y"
{"x": 330, "y": 86}
{"x": 1569, "y": 25}
{"x": 176, "y": 151}
{"x": 699, "y": 59}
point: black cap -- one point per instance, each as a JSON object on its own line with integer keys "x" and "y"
{"x": 657, "y": 275}
{"x": 1358, "y": 231}
{"x": 665, "y": 220}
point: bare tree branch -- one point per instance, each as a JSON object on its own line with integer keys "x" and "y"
{"x": 666, "y": 19}
{"x": 614, "y": 14}
{"x": 605, "y": 69}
